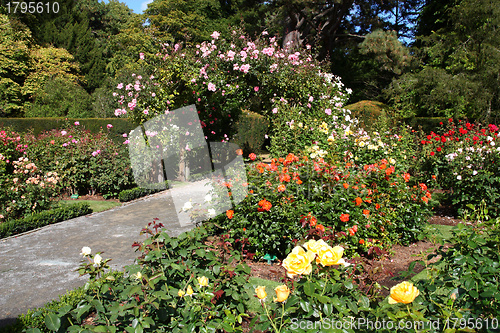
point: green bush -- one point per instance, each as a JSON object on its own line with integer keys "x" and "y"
{"x": 60, "y": 98}
{"x": 135, "y": 193}
{"x": 251, "y": 129}
{"x": 369, "y": 113}
{"x": 463, "y": 157}
{"x": 43, "y": 218}
{"x": 178, "y": 284}
{"x": 358, "y": 206}
{"x": 85, "y": 162}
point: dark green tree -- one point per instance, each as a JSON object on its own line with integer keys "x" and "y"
{"x": 459, "y": 63}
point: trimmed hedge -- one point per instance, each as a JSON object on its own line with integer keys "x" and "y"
{"x": 135, "y": 193}
{"x": 14, "y": 227}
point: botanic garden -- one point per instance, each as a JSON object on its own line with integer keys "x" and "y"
{"x": 332, "y": 197}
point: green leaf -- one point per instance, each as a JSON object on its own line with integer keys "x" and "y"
{"x": 305, "y": 306}
{"x": 348, "y": 284}
{"x": 309, "y": 288}
{"x": 323, "y": 299}
{"x": 33, "y": 330}
{"x": 352, "y": 306}
{"x": 52, "y": 321}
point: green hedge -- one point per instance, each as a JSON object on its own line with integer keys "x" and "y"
{"x": 40, "y": 125}
{"x": 14, "y": 227}
{"x": 135, "y": 193}
{"x": 250, "y": 131}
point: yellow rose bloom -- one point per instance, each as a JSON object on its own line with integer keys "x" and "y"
{"x": 189, "y": 291}
{"x": 315, "y": 245}
{"x": 203, "y": 281}
{"x": 405, "y": 292}
{"x": 181, "y": 293}
{"x": 282, "y": 293}
{"x": 329, "y": 256}
{"x": 298, "y": 262}
{"x": 261, "y": 292}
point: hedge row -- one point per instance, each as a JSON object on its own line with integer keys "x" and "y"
{"x": 135, "y": 193}
{"x": 43, "y": 218}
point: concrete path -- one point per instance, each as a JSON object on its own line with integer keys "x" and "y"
{"x": 38, "y": 266}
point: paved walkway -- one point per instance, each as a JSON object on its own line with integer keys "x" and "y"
{"x": 38, "y": 266}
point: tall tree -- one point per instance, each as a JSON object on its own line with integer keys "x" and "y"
{"x": 459, "y": 70}
{"x": 14, "y": 64}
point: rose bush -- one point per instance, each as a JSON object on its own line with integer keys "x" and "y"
{"x": 222, "y": 77}
{"x": 464, "y": 158}
{"x": 360, "y": 206}
{"x": 86, "y": 163}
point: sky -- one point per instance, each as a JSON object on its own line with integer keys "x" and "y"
{"x": 138, "y": 6}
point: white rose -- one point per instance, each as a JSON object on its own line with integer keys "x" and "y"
{"x": 187, "y": 206}
{"x": 86, "y": 251}
{"x": 208, "y": 198}
{"x": 459, "y": 177}
{"x": 97, "y": 260}
{"x": 211, "y": 212}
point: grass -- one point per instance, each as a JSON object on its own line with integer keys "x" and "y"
{"x": 95, "y": 205}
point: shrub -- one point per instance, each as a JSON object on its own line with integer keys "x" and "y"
{"x": 464, "y": 158}
{"x": 177, "y": 284}
{"x": 360, "y": 207}
{"x": 251, "y": 131}
{"x": 59, "y": 98}
{"x": 43, "y": 218}
{"x": 135, "y": 193}
{"x": 223, "y": 77}
{"x": 26, "y": 190}
{"x": 85, "y": 162}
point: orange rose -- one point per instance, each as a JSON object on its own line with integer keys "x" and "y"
{"x": 344, "y": 217}
{"x": 358, "y": 201}
{"x": 230, "y": 214}
{"x": 264, "y": 205}
{"x": 320, "y": 227}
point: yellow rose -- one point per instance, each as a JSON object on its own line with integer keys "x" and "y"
{"x": 261, "y": 292}
{"x": 298, "y": 262}
{"x": 315, "y": 245}
{"x": 405, "y": 292}
{"x": 328, "y": 256}
{"x": 181, "y": 293}
{"x": 189, "y": 291}
{"x": 282, "y": 293}
{"x": 203, "y": 281}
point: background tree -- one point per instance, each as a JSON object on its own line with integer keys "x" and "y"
{"x": 459, "y": 63}
{"x": 14, "y": 64}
